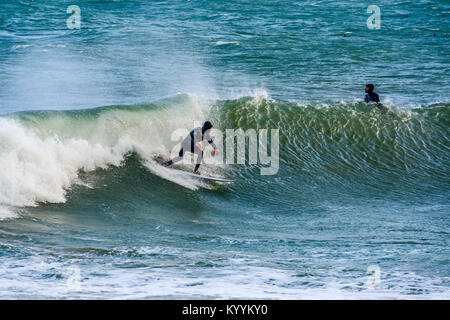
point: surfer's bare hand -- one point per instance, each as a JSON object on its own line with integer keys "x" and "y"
{"x": 217, "y": 152}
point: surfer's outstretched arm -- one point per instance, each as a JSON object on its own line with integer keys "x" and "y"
{"x": 211, "y": 142}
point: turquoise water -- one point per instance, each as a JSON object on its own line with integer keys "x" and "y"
{"x": 83, "y": 112}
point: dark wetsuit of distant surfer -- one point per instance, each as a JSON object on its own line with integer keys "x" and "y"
{"x": 371, "y": 96}
{"x": 192, "y": 143}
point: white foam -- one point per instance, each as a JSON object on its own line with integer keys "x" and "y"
{"x": 7, "y": 213}
{"x": 222, "y": 43}
{"x": 40, "y": 161}
{"x": 36, "y": 278}
{"x": 20, "y": 46}
{"x": 35, "y": 169}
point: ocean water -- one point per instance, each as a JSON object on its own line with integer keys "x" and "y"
{"x": 359, "y": 208}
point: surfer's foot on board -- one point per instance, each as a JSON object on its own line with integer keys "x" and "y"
{"x": 167, "y": 163}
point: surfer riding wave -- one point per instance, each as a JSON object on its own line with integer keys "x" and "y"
{"x": 192, "y": 143}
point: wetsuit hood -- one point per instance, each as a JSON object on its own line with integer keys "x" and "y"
{"x": 206, "y": 126}
{"x": 370, "y": 87}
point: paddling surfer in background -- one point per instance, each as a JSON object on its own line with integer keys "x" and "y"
{"x": 372, "y": 96}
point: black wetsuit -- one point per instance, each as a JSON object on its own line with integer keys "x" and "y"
{"x": 372, "y": 97}
{"x": 190, "y": 144}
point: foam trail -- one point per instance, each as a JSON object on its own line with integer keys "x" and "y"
{"x": 174, "y": 176}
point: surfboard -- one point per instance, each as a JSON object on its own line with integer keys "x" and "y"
{"x": 161, "y": 158}
{"x": 199, "y": 176}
